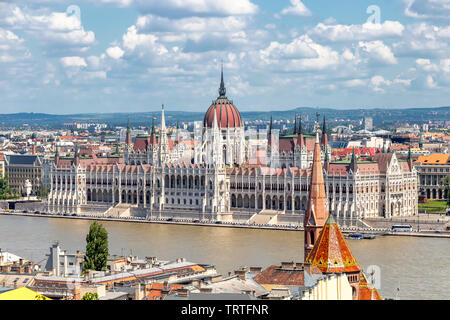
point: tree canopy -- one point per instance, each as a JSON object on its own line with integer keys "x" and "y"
{"x": 96, "y": 256}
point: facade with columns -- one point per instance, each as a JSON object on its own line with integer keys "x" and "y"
{"x": 157, "y": 175}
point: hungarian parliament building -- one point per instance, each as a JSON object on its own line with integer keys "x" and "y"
{"x": 223, "y": 171}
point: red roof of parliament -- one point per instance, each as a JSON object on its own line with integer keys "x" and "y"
{"x": 228, "y": 115}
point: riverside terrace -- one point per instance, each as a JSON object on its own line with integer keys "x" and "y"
{"x": 427, "y": 227}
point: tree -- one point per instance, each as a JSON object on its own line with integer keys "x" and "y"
{"x": 96, "y": 248}
{"x": 90, "y": 296}
{"x": 42, "y": 193}
{"x": 5, "y": 190}
{"x": 445, "y": 186}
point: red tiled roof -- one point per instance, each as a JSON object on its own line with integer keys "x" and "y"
{"x": 358, "y": 151}
{"x": 227, "y": 114}
{"x": 330, "y": 253}
{"x": 365, "y": 290}
{"x": 281, "y": 276}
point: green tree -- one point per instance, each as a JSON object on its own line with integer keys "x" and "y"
{"x": 90, "y": 296}
{"x": 445, "y": 186}
{"x": 5, "y": 190}
{"x": 96, "y": 248}
{"x": 42, "y": 193}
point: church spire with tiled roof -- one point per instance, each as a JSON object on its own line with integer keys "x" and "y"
{"x": 331, "y": 254}
{"x": 316, "y": 213}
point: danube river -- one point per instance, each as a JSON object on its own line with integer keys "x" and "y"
{"x": 411, "y": 267}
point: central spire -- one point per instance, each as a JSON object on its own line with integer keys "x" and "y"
{"x": 222, "y": 90}
{"x": 316, "y": 213}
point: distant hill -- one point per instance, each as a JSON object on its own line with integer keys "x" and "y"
{"x": 381, "y": 117}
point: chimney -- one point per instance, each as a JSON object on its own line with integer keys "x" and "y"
{"x": 183, "y": 292}
{"x": 76, "y": 293}
{"x": 242, "y": 274}
{"x": 307, "y": 267}
{"x": 288, "y": 264}
{"x": 255, "y": 269}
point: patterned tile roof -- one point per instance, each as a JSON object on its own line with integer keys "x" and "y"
{"x": 331, "y": 253}
{"x": 365, "y": 290}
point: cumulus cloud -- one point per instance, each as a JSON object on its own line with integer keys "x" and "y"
{"x": 303, "y": 54}
{"x": 297, "y": 8}
{"x": 58, "y": 32}
{"x": 115, "y": 52}
{"x": 177, "y": 8}
{"x": 423, "y": 39}
{"x": 425, "y": 64}
{"x": 355, "y": 32}
{"x": 377, "y": 51}
{"x": 12, "y": 48}
{"x": 73, "y": 62}
{"x": 428, "y": 9}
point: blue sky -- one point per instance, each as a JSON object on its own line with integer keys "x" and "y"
{"x": 134, "y": 55}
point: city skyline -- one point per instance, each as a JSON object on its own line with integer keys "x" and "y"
{"x": 78, "y": 57}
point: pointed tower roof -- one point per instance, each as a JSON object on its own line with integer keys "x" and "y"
{"x": 153, "y": 139}
{"x": 56, "y": 155}
{"x": 410, "y": 162}
{"x": 331, "y": 253}
{"x": 300, "y": 138}
{"x": 326, "y": 161}
{"x": 270, "y": 131}
{"x": 295, "y": 125}
{"x": 354, "y": 162}
{"x": 76, "y": 157}
{"x": 128, "y": 136}
{"x": 316, "y": 213}
{"x": 324, "y": 140}
{"x": 215, "y": 124}
{"x": 222, "y": 89}
{"x": 163, "y": 120}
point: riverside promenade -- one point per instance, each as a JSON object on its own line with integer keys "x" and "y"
{"x": 378, "y": 231}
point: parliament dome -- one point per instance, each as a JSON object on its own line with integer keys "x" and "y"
{"x": 227, "y": 114}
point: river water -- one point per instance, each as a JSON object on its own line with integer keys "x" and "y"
{"x": 411, "y": 267}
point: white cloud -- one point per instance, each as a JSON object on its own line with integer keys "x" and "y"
{"x": 377, "y": 51}
{"x": 73, "y": 62}
{"x": 302, "y": 54}
{"x": 426, "y": 65}
{"x": 115, "y": 52}
{"x": 119, "y": 3}
{"x": 133, "y": 40}
{"x": 297, "y": 8}
{"x": 57, "y": 31}
{"x": 366, "y": 31}
{"x": 355, "y": 83}
{"x": 445, "y": 65}
{"x": 378, "y": 82}
{"x": 430, "y": 83}
{"x": 301, "y": 47}
{"x": 428, "y": 9}
{"x": 183, "y": 8}
{"x": 423, "y": 39}
{"x": 12, "y": 48}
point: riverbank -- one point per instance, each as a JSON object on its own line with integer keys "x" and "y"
{"x": 375, "y": 231}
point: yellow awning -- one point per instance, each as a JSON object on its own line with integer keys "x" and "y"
{"x": 22, "y": 294}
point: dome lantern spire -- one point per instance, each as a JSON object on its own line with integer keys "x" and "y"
{"x": 222, "y": 89}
